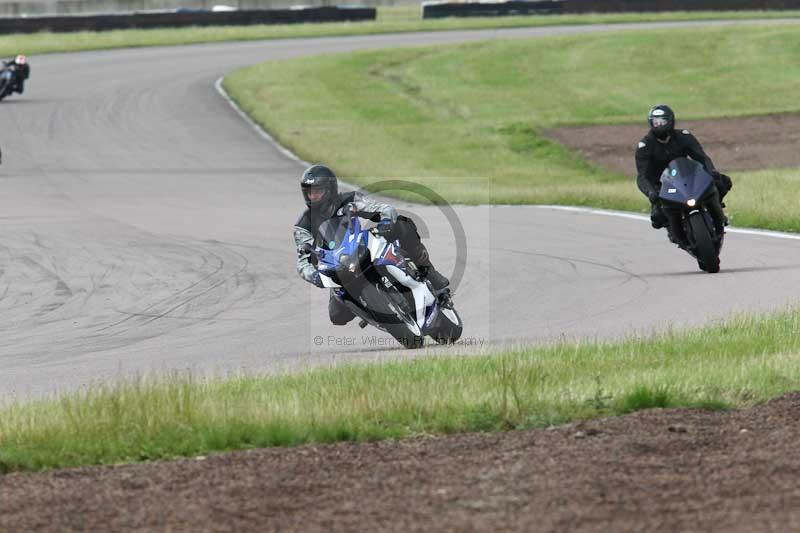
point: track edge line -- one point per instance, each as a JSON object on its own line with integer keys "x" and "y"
{"x": 588, "y": 210}
{"x": 253, "y": 124}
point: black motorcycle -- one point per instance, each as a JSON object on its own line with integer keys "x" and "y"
{"x": 8, "y": 80}
{"x": 685, "y": 190}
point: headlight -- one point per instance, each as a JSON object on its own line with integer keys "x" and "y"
{"x": 349, "y": 262}
{"x": 691, "y": 202}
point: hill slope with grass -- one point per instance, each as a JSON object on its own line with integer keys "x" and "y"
{"x": 478, "y": 110}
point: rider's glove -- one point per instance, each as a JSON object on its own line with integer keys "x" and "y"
{"x": 385, "y": 227}
{"x": 316, "y": 279}
{"x": 723, "y": 182}
{"x": 652, "y": 196}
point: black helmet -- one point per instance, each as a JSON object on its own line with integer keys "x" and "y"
{"x": 320, "y": 179}
{"x": 661, "y": 120}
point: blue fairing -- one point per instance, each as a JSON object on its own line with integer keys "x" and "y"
{"x": 387, "y": 255}
{"x": 340, "y": 237}
{"x": 430, "y": 314}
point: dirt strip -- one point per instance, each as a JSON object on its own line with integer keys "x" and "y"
{"x": 748, "y": 143}
{"x": 657, "y": 470}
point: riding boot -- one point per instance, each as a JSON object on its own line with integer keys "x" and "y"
{"x": 419, "y": 255}
{"x": 338, "y": 312}
{"x": 717, "y": 214}
{"x": 675, "y": 231}
{"x": 438, "y": 281}
{"x": 408, "y": 236}
{"x": 657, "y": 217}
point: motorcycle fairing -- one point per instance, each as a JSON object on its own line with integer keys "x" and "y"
{"x": 351, "y": 240}
{"x": 346, "y": 243}
{"x": 684, "y": 180}
{"x": 390, "y": 255}
{"x": 423, "y": 298}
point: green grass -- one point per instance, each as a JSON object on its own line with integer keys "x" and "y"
{"x": 766, "y": 199}
{"x": 390, "y": 20}
{"x": 738, "y": 363}
{"x": 425, "y": 113}
{"x": 477, "y": 110}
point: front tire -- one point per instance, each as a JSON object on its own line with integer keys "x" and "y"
{"x": 706, "y": 252}
{"x": 405, "y": 331}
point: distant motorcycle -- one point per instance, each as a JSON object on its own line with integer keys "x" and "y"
{"x": 685, "y": 187}
{"x": 374, "y": 280}
{"x": 8, "y": 78}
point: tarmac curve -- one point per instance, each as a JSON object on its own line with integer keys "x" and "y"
{"x": 145, "y": 227}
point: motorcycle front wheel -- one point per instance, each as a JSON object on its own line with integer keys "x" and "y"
{"x": 706, "y": 252}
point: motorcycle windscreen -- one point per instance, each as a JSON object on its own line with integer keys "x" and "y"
{"x": 331, "y": 233}
{"x": 684, "y": 180}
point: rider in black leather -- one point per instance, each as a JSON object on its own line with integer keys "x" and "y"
{"x": 23, "y": 71}
{"x": 323, "y": 200}
{"x": 656, "y": 150}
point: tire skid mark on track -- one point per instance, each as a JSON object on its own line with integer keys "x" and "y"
{"x": 225, "y": 279}
{"x": 198, "y": 290}
{"x": 167, "y": 300}
{"x": 573, "y": 260}
{"x": 56, "y": 310}
{"x": 628, "y": 277}
{"x": 135, "y": 116}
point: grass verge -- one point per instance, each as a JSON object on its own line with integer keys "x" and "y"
{"x": 390, "y": 20}
{"x": 477, "y": 110}
{"x": 739, "y": 363}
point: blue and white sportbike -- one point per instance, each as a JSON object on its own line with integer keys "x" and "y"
{"x": 373, "y": 278}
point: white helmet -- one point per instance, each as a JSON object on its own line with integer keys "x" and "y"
{"x": 20, "y": 59}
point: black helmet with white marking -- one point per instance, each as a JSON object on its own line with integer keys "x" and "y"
{"x": 661, "y": 120}
{"x": 320, "y": 188}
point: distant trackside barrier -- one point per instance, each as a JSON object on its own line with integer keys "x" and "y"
{"x": 184, "y": 18}
{"x": 490, "y": 9}
{"x": 440, "y": 9}
{"x": 617, "y": 6}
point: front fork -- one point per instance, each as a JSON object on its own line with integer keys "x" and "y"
{"x": 716, "y": 237}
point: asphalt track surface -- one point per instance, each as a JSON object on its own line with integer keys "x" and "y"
{"x": 145, "y": 227}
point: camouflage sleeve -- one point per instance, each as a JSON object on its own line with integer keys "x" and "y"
{"x": 304, "y": 266}
{"x": 373, "y": 210}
